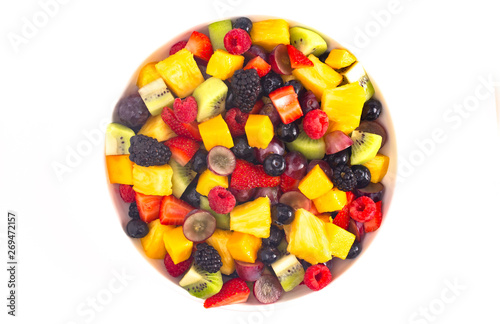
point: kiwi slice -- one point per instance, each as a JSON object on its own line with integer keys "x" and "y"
{"x": 365, "y": 147}
{"x": 289, "y": 271}
{"x": 182, "y": 177}
{"x": 118, "y": 139}
{"x": 156, "y": 96}
{"x": 310, "y": 148}
{"x": 356, "y": 73}
{"x": 217, "y": 31}
{"x": 222, "y": 220}
{"x": 211, "y": 98}
{"x": 307, "y": 41}
{"x": 201, "y": 283}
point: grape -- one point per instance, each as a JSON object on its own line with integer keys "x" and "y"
{"x": 272, "y": 193}
{"x": 276, "y": 146}
{"x": 256, "y": 50}
{"x": 132, "y": 111}
{"x": 270, "y": 111}
{"x": 296, "y": 165}
{"x": 242, "y": 195}
{"x": 323, "y": 165}
{"x": 308, "y": 102}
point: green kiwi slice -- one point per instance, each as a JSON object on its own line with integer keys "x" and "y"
{"x": 307, "y": 41}
{"x": 217, "y": 31}
{"x": 221, "y": 219}
{"x": 201, "y": 283}
{"x": 365, "y": 147}
{"x": 312, "y": 149}
{"x": 211, "y": 98}
{"x": 118, "y": 139}
{"x": 289, "y": 271}
{"x": 182, "y": 177}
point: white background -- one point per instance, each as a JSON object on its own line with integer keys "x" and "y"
{"x": 428, "y": 57}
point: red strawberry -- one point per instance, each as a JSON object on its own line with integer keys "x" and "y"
{"x": 236, "y": 120}
{"x": 259, "y": 64}
{"x": 350, "y": 197}
{"x": 374, "y": 224}
{"x": 317, "y": 277}
{"x": 187, "y": 130}
{"x": 177, "y": 47}
{"x": 182, "y": 148}
{"x": 173, "y": 210}
{"x": 199, "y": 44}
{"x": 127, "y": 193}
{"x": 232, "y": 292}
{"x": 297, "y": 59}
{"x": 248, "y": 176}
{"x": 288, "y": 183}
{"x": 148, "y": 206}
{"x": 342, "y": 218}
{"x": 286, "y": 103}
{"x": 176, "y": 270}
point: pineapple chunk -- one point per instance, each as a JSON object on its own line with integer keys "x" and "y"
{"x": 315, "y": 184}
{"x": 244, "y": 247}
{"x": 378, "y": 167}
{"x": 215, "y": 132}
{"x": 340, "y": 240}
{"x": 219, "y": 241}
{"x": 177, "y": 245}
{"x": 153, "y": 180}
{"x": 148, "y": 74}
{"x": 253, "y": 217}
{"x": 259, "y": 130}
{"x": 181, "y": 73}
{"x": 333, "y": 200}
{"x": 222, "y": 65}
{"x": 152, "y": 243}
{"x": 317, "y": 78}
{"x": 344, "y": 105}
{"x": 119, "y": 169}
{"x": 155, "y": 127}
{"x": 307, "y": 238}
{"x": 270, "y": 33}
{"x": 340, "y": 58}
{"x": 208, "y": 180}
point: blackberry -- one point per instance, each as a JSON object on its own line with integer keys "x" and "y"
{"x": 207, "y": 258}
{"x": 246, "y": 89}
{"x": 147, "y": 151}
{"x": 133, "y": 212}
{"x": 344, "y": 178}
{"x": 271, "y": 82}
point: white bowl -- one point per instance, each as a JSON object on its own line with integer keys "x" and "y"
{"x": 340, "y": 266}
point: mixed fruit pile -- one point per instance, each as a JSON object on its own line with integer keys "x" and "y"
{"x": 250, "y": 156}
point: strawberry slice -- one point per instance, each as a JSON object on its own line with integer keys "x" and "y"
{"x": 148, "y": 206}
{"x": 286, "y": 103}
{"x": 182, "y": 148}
{"x": 182, "y": 129}
{"x": 232, "y": 292}
{"x": 173, "y": 210}
{"x": 350, "y": 197}
{"x": 199, "y": 44}
{"x": 258, "y": 64}
{"x": 288, "y": 183}
{"x": 373, "y": 224}
{"x": 249, "y": 176}
{"x": 342, "y": 219}
{"x": 297, "y": 58}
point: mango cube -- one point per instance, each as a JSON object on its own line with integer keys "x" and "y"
{"x": 177, "y": 245}
{"x": 119, "y": 169}
{"x": 152, "y": 243}
{"x": 219, "y": 241}
{"x": 208, "y": 180}
{"x": 340, "y": 58}
{"x": 153, "y": 180}
{"x": 378, "y": 167}
{"x": 333, "y": 200}
{"x": 270, "y": 33}
{"x": 147, "y": 74}
{"x": 259, "y": 130}
{"x": 215, "y": 132}
{"x": 253, "y": 217}
{"x": 315, "y": 184}
{"x": 222, "y": 65}
{"x": 340, "y": 240}
{"x": 344, "y": 105}
{"x": 155, "y": 127}
{"x": 244, "y": 247}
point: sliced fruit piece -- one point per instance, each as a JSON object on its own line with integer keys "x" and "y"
{"x": 311, "y": 149}
{"x": 317, "y": 78}
{"x": 211, "y": 99}
{"x": 181, "y": 178}
{"x": 182, "y": 148}
{"x": 374, "y": 224}
{"x": 182, "y": 129}
{"x": 253, "y": 217}
{"x": 248, "y": 176}
{"x": 199, "y": 44}
{"x": 222, "y": 64}
{"x": 201, "y": 283}
{"x": 173, "y": 211}
{"x": 156, "y": 96}
{"x": 267, "y": 289}
{"x": 215, "y": 132}
{"x": 244, "y": 247}
{"x": 297, "y": 59}
{"x": 219, "y": 241}
{"x": 333, "y": 200}
{"x": 280, "y": 60}
{"x": 153, "y": 244}
{"x": 259, "y": 130}
{"x": 249, "y": 271}
{"x": 208, "y": 180}
{"x": 374, "y": 128}
{"x": 258, "y": 64}
{"x": 315, "y": 184}
{"x": 374, "y": 191}
{"x": 148, "y": 206}
{"x": 155, "y": 127}
{"x": 270, "y": 33}
{"x": 221, "y": 161}
{"x": 365, "y": 147}
{"x": 222, "y": 220}
{"x": 307, "y": 41}
{"x": 357, "y": 228}
{"x": 153, "y": 180}
{"x": 118, "y": 139}
{"x": 177, "y": 245}
{"x": 287, "y": 104}
{"x": 147, "y": 74}
{"x": 340, "y": 240}
{"x": 233, "y": 292}
{"x": 344, "y": 105}
{"x": 198, "y": 225}
{"x": 356, "y": 73}
{"x": 337, "y": 141}
{"x": 181, "y": 73}
{"x": 340, "y": 58}
{"x": 289, "y": 271}
{"x": 378, "y": 167}
{"x": 217, "y": 31}
{"x": 119, "y": 169}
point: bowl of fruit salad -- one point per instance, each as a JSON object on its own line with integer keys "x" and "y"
{"x": 251, "y": 161}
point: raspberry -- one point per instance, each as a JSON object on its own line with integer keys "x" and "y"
{"x": 147, "y": 151}
{"x": 315, "y": 123}
{"x": 177, "y": 47}
{"x": 176, "y": 270}
{"x": 237, "y": 41}
{"x": 186, "y": 110}
{"x": 344, "y": 178}
{"x": 207, "y": 258}
{"x": 236, "y": 120}
{"x": 245, "y": 85}
{"x": 127, "y": 193}
{"x": 342, "y": 218}
{"x": 373, "y": 224}
{"x": 221, "y": 200}
{"x": 317, "y": 277}
{"x": 362, "y": 209}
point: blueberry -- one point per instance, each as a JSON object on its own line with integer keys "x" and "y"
{"x": 354, "y": 251}
{"x": 339, "y": 158}
{"x": 363, "y": 176}
{"x": 268, "y": 254}
{"x": 230, "y": 99}
{"x": 371, "y": 110}
{"x": 271, "y": 82}
{"x": 243, "y": 23}
{"x": 282, "y": 214}
{"x": 242, "y": 150}
{"x": 137, "y": 228}
{"x": 297, "y": 86}
{"x": 308, "y": 101}
{"x": 200, "y": 160}
{"x": 274, "y": 165}
{"x": 288, "y": 132}
{"x": 274, "y": 238}
{"x": 324, "y": 56}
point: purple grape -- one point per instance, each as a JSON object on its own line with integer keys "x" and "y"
{"x": 270, "y": 111}
{"x": 256, "y": 50}
{"x": 308, "y": 102}
{"x": 374, "y": 128}
{"x": 375, "y": 191}
{"x": 323, "y": 165}
{"x": 132, "y": 112}
{"x": 243, "y": 195}
{"x": 276, "y": 146}
{"x": 296, "y": 165}
{"x": 272, "y": 193}
{"x": 267, "y": 289}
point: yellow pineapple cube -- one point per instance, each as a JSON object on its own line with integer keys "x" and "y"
{"x": 307, "y": 238}
{"x": 259, "y": 130}
{"x": 155, "y": 127}
{"x": 270, "y": 33}
{"x": 340, "y": 240}
{"x": 181, "y": 73}
{"x": 315, "y": 184}
{"x": 119, "y": 169}
{"x": 177, "y": 245}
{"x": 340, "y": 58}
{"x": 147, "y": 74}
{"x": 253, "y": 217}
{"x": 378, "y": 167}
{"x": 153, "y": 180}
{"x": 208, "y": 180}
{"x": 219, "y": 241}
{"x": 333, "y": 200}
{"x": 222, "y": 64}
{"x": 215, "y": 132}
{"x": 344, "y": 105}
{"x": 152, "y": 243}
{"x": 244, "y": 247}
{"x": 317, "y": 78}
